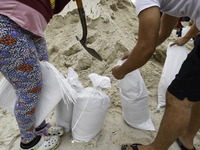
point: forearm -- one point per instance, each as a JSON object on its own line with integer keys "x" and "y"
{"x": 192, "y": 32}
{"x": 137, "y": 59}
{"x": 166, "y": 27}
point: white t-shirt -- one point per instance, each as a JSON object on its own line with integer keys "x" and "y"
{"x": 178, "y": 8}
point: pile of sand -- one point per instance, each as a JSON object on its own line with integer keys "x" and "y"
{"x": 112, "y": 31}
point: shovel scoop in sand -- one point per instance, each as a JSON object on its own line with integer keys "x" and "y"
{"x": 84, "y": 27}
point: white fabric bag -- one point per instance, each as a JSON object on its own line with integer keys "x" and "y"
{"x": 174, "y": 59}
{"x": 90, "y": 109}
{"x": 64, "y": 110}
{"x": 54, "y": 89}
{"x": 135, "y": 100}
{"x": 185, "y": 30}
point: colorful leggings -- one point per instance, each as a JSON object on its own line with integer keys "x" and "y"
{"x": 20, "y": 53}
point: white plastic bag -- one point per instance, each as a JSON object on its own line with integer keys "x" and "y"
{"x": 135, "y": 101}
{"x": 90, "y": 109}
{"x": 54, "y": 89}
{"x": 174, "y": 59}
{"x": 64, "y": 110}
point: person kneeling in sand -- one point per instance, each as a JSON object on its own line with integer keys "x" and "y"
{"x": 181, "y": 118}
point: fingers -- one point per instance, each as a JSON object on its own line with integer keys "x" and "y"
{"x": 125, "y": 56}
{"x": 173, "y": 44}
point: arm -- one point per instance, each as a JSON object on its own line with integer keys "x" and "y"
{"x": 166, "y": 27}
{"x": 190, "y": 34}
{"x": 149, "y": 23}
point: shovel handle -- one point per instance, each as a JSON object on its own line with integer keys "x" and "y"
{"x": 79, "y": 3}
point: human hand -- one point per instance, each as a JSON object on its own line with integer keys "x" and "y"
{"x": 180, "y": 42}
{"x": 125, "y": 56}
{"x": 116, "y": 73}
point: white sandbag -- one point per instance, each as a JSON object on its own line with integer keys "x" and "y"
{"x": 135, "y": 101}
{"x": 185, "y": 30}
{"x": 64, "y": 110}
{"x": 174, "y": 59}
{"x": 54, "y": 89}
{"x": 63, "y": 114}
{"x": 90, "y": 109}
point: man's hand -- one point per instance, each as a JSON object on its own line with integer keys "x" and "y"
{"x": 125, "y": 56}
{"x": 116, "y": 73}
{"x": 180, "y": 41}
{"x": 190, "y": 34}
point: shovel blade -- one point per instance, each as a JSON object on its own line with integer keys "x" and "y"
{"x": 89, "y": 50}
{"x": 93, "y": 52}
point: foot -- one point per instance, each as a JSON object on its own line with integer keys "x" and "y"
{"x": 45, "y": 143}
{"x": 130, "y": 147}
{"x": 51, "y": 130}
{"x": 182, "y": 147}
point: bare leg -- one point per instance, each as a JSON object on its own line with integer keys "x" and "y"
{"x": 175, "y": 120}
{"x": 189, "y": 133}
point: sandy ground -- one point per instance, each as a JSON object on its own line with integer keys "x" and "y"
{"x": 112, "y": 31}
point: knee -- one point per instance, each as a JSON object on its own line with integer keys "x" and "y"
{"x": 172, "y": 101}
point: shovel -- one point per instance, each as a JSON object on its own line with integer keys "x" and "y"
{"x": 84, "y": 27}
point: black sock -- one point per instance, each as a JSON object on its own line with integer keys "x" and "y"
{"x": 30, "y": 144}
{"x": 40, "y": 128}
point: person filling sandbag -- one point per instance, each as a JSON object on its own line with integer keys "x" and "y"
{"x": 90, "y": 109}
{"x": 135, "y": 101}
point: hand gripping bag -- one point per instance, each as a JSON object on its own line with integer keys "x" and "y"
{"x": 174, "y": 59}
{"x": 54, "y": 89}
{"x": 90, "y": 109}
{"x": 135, "y": 100}
{"x": 64, "y": 110}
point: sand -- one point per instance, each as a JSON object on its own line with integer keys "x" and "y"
{"x": 112, "y": 31}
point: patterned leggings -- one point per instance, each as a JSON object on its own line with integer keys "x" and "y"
{"x": 20, "y": 53}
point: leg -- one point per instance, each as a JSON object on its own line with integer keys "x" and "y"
{"x": 20, "y": 65}
{"x": 42, "y": 53}
{"x": 189, "y": 133}
{"x": 41, "y": 47}
{"x": 180, "y": 117}
{"x": 175, "y": 120}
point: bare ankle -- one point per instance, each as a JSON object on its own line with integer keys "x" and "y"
{"x": 145, "y": 147}
{"x": 186, "y": 142}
